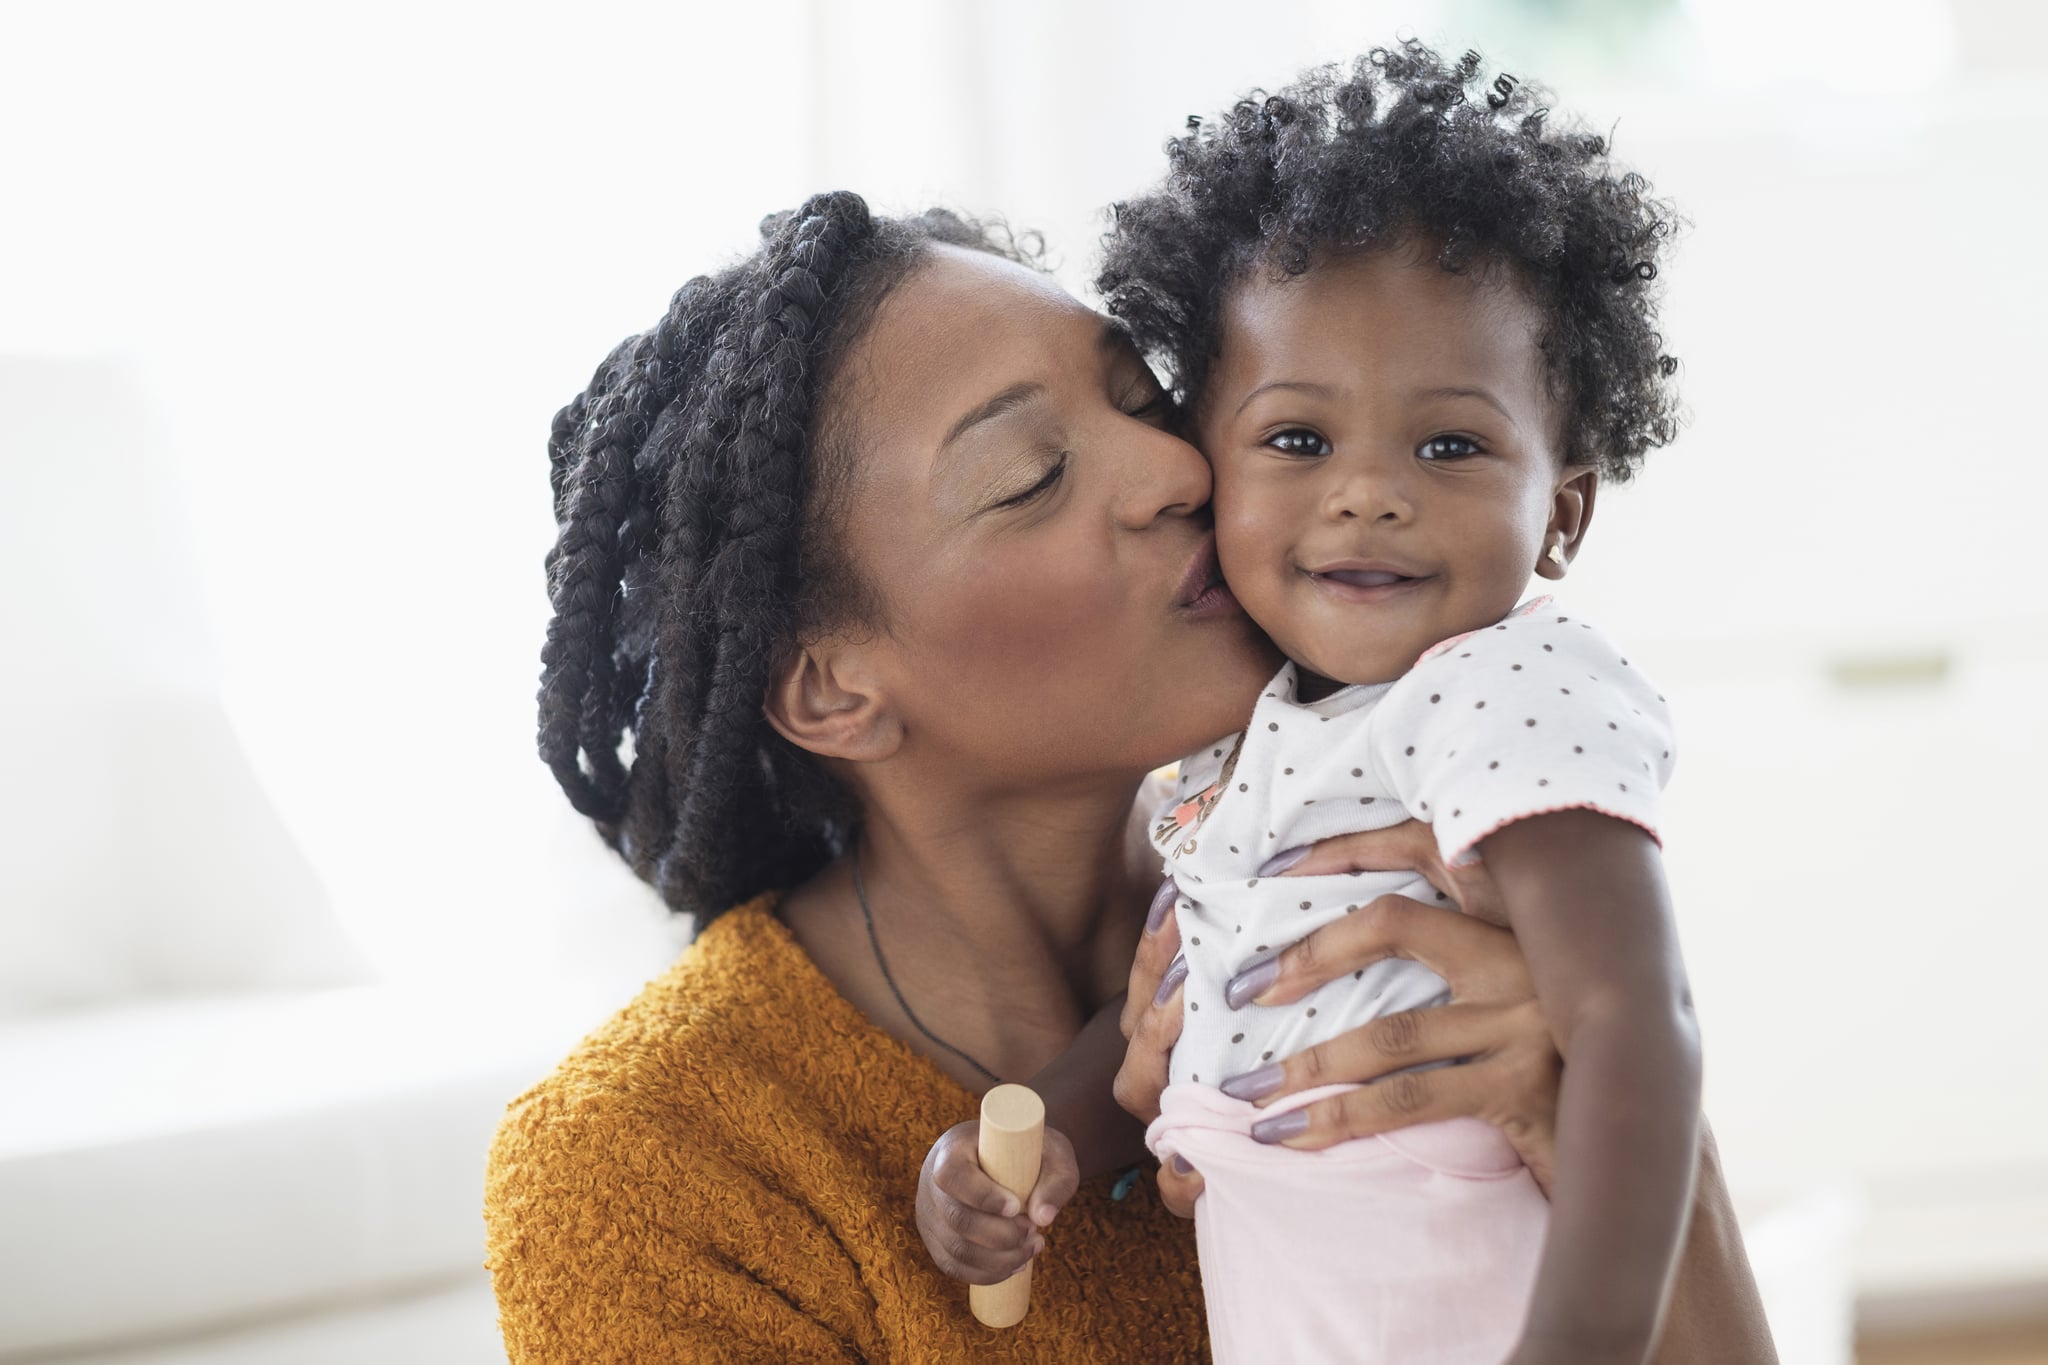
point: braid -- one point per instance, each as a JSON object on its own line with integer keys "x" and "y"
{"x": 693, "y": 549}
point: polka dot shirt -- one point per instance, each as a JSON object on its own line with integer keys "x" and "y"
{"x": 1539, "y": 712}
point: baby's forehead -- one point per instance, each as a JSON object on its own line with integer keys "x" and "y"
{"x": 1386, "y": 309}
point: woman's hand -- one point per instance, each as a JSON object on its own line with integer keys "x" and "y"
{"x": 1151, "y": 1023}
{"x": 1512, "y": 1072}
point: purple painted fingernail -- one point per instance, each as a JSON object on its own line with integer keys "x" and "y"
{"x": 1181, "y": 1166}
{"x": 1174, "y": 976}
{"x": 1254, "y": 1085}
{"x": 1162, "y": 901}
{"x": 1250, "y": 983}
{"x": 1281, "y": 861}
{"x": 1281, "y": 1127}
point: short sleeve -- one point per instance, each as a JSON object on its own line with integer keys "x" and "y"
{"x": 1539, "y": 713}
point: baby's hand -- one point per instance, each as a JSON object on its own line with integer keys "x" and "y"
{"x": 975, "y": 1229}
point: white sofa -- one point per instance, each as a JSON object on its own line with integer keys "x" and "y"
{"x": 208, "y": 1113}
{"x": 312, "y": 1162}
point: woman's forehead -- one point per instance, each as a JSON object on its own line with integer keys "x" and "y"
{"x": 963, "y": 325}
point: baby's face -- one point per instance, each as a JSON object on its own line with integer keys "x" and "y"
{"x": 1388, "y": 471}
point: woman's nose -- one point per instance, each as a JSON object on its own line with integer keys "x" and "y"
{"x": 1166, "y": 476}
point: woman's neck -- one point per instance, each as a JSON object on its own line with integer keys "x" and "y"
{"x": 1006, "y": 921}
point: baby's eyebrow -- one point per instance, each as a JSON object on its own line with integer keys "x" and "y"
{"x": 1296, "y": 385}
{"x": 1459, "y": 391}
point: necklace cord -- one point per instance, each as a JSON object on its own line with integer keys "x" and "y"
{"x": 867, "y": 914}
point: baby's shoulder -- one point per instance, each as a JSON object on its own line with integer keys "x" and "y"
{"x": 1539, "y": 636}
{"x": 1541, "y": 649}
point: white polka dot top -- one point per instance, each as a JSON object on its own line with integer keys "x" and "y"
{"x": 1538, "y": 713}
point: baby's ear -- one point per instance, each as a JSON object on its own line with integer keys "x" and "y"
{"x": 1571, "y": 512}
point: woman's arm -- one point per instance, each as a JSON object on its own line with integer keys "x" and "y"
{"x": 1511, "y": 1078}
{"x": 1715, "y": 1313}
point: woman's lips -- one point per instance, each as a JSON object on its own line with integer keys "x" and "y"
{"x": 1203, "y": 593}
{"x": 1215, "y": 600}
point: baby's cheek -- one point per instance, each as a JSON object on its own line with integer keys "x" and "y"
{"x": 1253, "y": 550}
{"x": 1255, "y": 526}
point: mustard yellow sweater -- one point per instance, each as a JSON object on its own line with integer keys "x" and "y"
{"x": 727, "y": 1171}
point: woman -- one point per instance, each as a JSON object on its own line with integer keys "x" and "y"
{"x": 884, "y": 551}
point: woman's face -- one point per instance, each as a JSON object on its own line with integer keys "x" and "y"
{"x": 1039, "y": 542}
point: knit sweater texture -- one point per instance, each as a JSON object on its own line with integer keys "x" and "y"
{"x": 727, "y": 1171}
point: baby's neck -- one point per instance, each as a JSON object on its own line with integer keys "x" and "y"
{"x": 1313, "y": 686}
{"x": 1309, "y": 686}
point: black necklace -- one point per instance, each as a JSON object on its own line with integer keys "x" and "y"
{"x": 866, "y": 913}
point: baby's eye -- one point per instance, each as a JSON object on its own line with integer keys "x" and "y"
{"x": 1447, "y": 448}
{"x": 1298, "y": 441}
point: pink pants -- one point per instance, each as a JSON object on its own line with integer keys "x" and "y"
{"x": 1415, "y": 1248}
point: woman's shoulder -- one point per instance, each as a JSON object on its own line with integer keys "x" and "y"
{"x": 721, "y": 1018}
{"x": 740, "y": 1064}
{"x": 693, "y": 1144}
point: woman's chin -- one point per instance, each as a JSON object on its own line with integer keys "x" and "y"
{"x": 1217, "y": 697}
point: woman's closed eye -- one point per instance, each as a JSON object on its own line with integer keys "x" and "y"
{"x": 1148, "y": 404}
{"x": 1449, "y": 447}
{"x": 1037, "y": 490}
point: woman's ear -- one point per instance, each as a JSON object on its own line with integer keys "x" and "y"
{"x": 1571, "y": 512}
{"x": 824, "y": 698}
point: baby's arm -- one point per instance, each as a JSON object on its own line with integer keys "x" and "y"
{"x": 973, "y": 1228}
{"x": 1586, "y": 897}
{"x": 979, "y": 1232}
{"x": 1540, "y": 743}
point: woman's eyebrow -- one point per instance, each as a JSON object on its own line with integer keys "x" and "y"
{"x": 1004, "y": 403}
{"x": 1113, "y": 337}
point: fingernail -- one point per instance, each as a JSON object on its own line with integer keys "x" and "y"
{"x": 1281, "y": 861}
{"x": 1181, "y": 1166}
{"x": 1250, "y": 983}
{"x": 1037, "y": 1245}
{"x": 1011, "y": 1208}
{"x": 1174, "y": 976}
{"x": 1041, "y": 1214}
{"x": 1254, "y": 1085}
{"x": 1162, "y": 901}
{"x": 1281, "y": 1127}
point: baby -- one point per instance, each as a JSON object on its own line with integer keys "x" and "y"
{"x": 1413, "y": 332}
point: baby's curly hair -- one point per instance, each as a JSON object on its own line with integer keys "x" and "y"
{"x": 1405, "y": 146}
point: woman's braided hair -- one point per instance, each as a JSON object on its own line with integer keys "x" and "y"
{"x": 696, "y": 488}
{"x": 1407, "y": 146}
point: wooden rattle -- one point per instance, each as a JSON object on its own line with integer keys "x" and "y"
{"x": 1012, "y": 1136}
